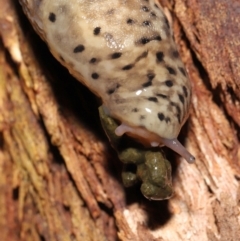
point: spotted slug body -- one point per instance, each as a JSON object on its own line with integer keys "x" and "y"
{"x": 124, "y": 52}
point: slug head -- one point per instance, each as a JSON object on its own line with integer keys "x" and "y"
{"x": 149, "y": 138}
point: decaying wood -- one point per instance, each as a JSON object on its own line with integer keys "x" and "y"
{"x": 59, "y": 178}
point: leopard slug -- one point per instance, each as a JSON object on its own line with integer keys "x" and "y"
{"x": 124, "y": 52}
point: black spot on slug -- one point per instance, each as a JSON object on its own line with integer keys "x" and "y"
{"x": 161, "y": 96}
{"x": 171, "y": 70}
{"x": 185, "y": 91}
{"x": 161, "y": 116}
{"x": 127, "y": 67}
{"x": 52, "y": 17}
{"x": 149, "y": 82}
{"x": 167, "y": 23}
{"x": 143, "y": 55}
{"x": 179, "y": 118}
{"x": 92, "y": 60}
{"x": 181, "y": 98}
{"x": 145, "y": 9}
{"x": 158, "y": 38}
{"x": 146, "y": 23}
{"x": 96, "y": 30}
{"x": 95, "y": 75}
{"x": 130, "y": 21}
{"x": 169, "y": 83}
{"x": 144, "y": 40}
{"x": 142, "y": 117}
{"x": 153, "y": 99}
{"x": 150, "y": 76}
{"x": 116, "y": 55}
{"x": 182, "y": 71}
{"x": 78, "y": 49}
{"x": 159, "y": 56}
{"x": 167, "y": 119}
{"x": 178, "y": 109}
{"x": 112, "y": 90}
{"x": 153, "y": 14}
{"x": 156, "y": 6}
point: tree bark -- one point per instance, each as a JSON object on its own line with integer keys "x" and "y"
{"x": 60, "y": 179}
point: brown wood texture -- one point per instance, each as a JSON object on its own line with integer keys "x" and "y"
{"x": 60, "y": 179}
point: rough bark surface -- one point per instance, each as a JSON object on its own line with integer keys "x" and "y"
{"x": 59, "y": 177}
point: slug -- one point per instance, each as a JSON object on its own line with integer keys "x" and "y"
{"x": 124, "y": 52}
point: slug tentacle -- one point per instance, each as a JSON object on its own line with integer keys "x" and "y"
{"x": 176, "y": 146}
